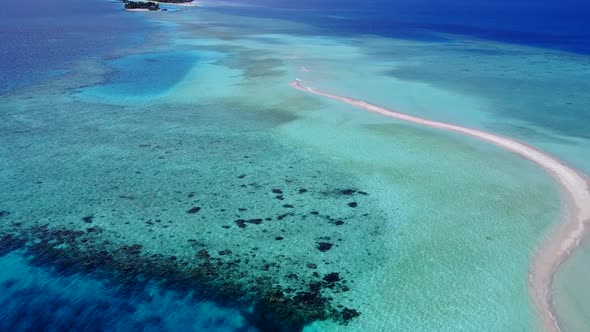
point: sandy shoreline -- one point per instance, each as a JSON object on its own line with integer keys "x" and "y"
{"x": 182, "y": 4}
{"x": 563, "y": 238}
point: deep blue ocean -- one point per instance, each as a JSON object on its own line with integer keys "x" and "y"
{"x": 547, "y": 23}
{"x": 40, "y": 39}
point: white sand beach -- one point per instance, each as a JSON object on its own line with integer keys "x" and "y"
{"x": 565, "y": 236}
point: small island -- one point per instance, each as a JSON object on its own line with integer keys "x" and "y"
{"x": 152, "y": 5}
{"x": 141, "y": 5}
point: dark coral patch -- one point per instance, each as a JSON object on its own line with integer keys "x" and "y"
{"x": 203, "y": 254}
{"x": 352, "y": 204}
{"x": 193, "y": 210}
{"x": 275, "y": 309}
{"x": 242, "y": 222}
{"x": 349, "y": 314}
{"x": 350, "y": 192}
{"x": 288, "y": 206}
{"x": 302, "y": 191}
{"x": 279, "y": 238}
{"x": 212, "y": 277}
{"x": 4, "y": 214}
{"x": 332, "y": 277}
{"x": 87, "y": 219}
{"x": 277, "y": 191}
{"x": 10, "y": 243}
{"x": 324, "y": 246}
{"x": 94, "y": 230}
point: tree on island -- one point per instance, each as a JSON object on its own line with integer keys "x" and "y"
{"x": 141, "y": 5}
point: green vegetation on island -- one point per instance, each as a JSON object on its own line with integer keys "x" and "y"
{"x": 150, "y": 5}
{"x": 141, "y": 5}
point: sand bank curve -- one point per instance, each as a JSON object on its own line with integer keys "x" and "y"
{"x": 563, "y": 238}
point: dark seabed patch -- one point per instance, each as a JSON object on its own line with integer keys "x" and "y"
{"x": 130, "y": 270}
{"x": 324, "y": 246}
{"x": 193, "y": 210}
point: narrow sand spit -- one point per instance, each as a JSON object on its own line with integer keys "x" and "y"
{"x": 561, "y": 240}
{"x": 181, "y": 4}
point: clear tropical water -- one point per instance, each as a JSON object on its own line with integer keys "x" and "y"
{"x": 158, "y": 172}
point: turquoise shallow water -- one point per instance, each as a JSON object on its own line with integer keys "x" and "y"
{"x": 571, "y": 294}
{"x": 186, "y": 167}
